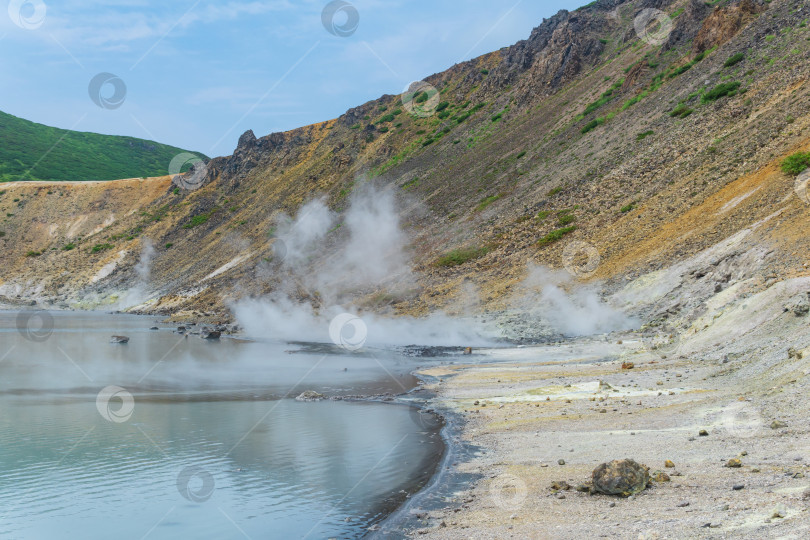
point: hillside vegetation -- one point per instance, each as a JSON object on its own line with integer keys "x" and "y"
{"x": 650, "y": 151}
{"x": 31, "y": 151}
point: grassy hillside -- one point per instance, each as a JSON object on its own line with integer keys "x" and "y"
{"x": 31, "y": 151}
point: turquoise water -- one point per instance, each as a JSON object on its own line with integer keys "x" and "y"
{"x": 197, "y": 439}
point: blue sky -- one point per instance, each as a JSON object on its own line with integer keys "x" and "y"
{"x": 198, "y": 73}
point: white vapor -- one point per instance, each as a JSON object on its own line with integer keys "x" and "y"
{"x": 137, "y": 294}
{"x": 577, "y": 311}
{"x": 366, "y": 255}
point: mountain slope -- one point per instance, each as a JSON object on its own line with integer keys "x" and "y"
{"x": 650, "y": 152}
{"x": 31, "y": 151}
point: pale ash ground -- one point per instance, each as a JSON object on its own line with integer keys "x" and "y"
{"x": 731, "y": 374}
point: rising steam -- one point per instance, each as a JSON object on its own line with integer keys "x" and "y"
{"x": 324, "y": 263}
{"x": 137, "y": 294}
{"x": 569, "y": 309}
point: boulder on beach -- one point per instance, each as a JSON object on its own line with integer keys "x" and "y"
{"x": 208, "y": 333}
{"x": 623, "y": 477}
{"x": 310, "y": 395}
{"x": 119, "y": 339}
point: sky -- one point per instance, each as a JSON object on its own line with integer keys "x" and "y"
{"x": 198, "y": 73}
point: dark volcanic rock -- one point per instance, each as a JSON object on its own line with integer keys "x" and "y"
{"x": 207, "y": 333}
{"x": 622, "y": 477}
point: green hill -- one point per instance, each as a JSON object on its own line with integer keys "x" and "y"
{"x": 30, "y": 151}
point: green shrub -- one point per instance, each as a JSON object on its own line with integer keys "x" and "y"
{"x": 643, "y": 135}
{"x": 460, "y": 256}
{"x": 444, "y": 114}
{"x": 590, "y": 126}
{"x": 486, "y": 202}
{"x": 442, "y": 106}
{"x": 555, "y": 235}
{"x": 796, "y": 163}
{"x": 101, "y": 247}
{"x": 735, "y": 59}
{"x": 197, "y": 220}
{"x": 168, "y": 245}
{"x": 497, "y": 117}
{"x": 566, "y": 219}
{"x": 68, "y": 247}
{"x": 554, "y": 191}
{"x": 33, "y": 254}
{"x": 606, "y": 97}
{"x": 681, "y": 111}
{"x": 386, "y": 118}
{"x": 720, "y": 91}
{"x": 520, "y": 155}
{"x": 680, "y": 70}
{"x": 628, "y": 208}
{"x": 541, "y": 215}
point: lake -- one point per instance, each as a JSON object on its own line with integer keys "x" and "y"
{"x": 170, "y": 436}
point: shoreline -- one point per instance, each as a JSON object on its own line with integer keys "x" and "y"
{"x": 409, "y": 515}
{"x": 524, "y": 410}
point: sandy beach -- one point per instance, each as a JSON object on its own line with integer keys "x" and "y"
{"x": 540, "y": 415}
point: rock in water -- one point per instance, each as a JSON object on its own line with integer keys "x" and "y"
{"x": 119, "y": 339}
{"x": 622, "y": 477}
{"x": 207, "y": 333}
{"x": 310, "y": 395}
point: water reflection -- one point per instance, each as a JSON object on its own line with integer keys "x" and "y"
{"x": 279, "y": 468}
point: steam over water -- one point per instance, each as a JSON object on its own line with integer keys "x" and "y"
{"x": 195, "y": 438}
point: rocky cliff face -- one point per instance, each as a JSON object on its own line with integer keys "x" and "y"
{"x": 583, "y": 132}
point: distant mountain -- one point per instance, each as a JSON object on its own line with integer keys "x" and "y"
{"x": 30, "y": 151}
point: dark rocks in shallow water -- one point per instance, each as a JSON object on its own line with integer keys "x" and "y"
{"x": 310, "y": 395}
{"x": 181, "y": 329}
{"x": 154, "y": 328}
{"x": 623, "y": 477}
{"x": 119, "y": 339}
{"x": 207, "y": 333}
{"x": 420, "y": 351}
